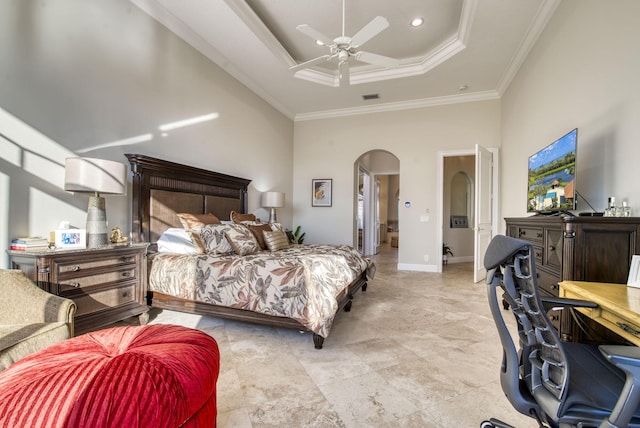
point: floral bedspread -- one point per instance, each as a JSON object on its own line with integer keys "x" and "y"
{"x": 301, "y": 282}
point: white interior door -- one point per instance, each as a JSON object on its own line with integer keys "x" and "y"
{"x": 484, "y": 212}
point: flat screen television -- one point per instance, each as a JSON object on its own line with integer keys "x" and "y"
{"x": 552, "y": 176}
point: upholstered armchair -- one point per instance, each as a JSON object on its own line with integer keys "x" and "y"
{"x": 30, "y": 318}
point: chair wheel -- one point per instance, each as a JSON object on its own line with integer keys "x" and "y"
{"x": 486, "y": 424}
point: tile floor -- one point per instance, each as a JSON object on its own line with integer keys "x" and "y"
{"x": 416, "y": 350}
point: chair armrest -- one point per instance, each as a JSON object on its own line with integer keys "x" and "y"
{"x": 621, "y": 354}
{"x": 553, "y": 302}
{"x": 23, "y": 302}
{"x": 626, "y": 358}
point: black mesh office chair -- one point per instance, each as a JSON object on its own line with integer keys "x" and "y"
{"x": 560, "y": 384}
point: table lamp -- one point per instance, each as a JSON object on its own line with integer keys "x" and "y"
{"x": 272, "y": 200}
{"x": 90, "y": 175}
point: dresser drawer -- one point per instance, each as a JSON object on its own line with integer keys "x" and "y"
{"x": 548, "y": 283}
{"x": 531, "y": 234}
{"x": 104, "y": 299}
{"x": 124, "y": 274}
{"x": 73, "y": 269}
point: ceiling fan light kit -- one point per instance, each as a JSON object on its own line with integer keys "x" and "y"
{"x": 343, "y": 47}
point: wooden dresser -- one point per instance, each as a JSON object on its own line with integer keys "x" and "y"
{"x": 108, "y": 284}
{"x": 595, "y": 249}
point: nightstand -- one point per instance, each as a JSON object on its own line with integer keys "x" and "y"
{"x": 108, "y": 284}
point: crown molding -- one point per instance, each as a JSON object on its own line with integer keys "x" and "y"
{"x": 403, "y": 105}
{"x": 545, "y": 12}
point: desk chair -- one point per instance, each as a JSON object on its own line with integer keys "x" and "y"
{"x": 560, "y": 384}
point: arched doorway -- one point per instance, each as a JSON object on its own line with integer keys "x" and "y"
{"x": 376, "y": 196}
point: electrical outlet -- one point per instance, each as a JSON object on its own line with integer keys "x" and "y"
{"x": 426, "y": 257}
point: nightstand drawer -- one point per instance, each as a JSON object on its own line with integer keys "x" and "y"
{"x": 100, "y": 300}
{"x": 98, "y": 279}
{"x": 84, "y": 267}
{"x": 108, "y": 284}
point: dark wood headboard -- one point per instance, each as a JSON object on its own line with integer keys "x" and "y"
{"x": 161, "y": 189}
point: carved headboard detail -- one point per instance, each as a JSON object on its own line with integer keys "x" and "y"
{"x": 161, "y": 189}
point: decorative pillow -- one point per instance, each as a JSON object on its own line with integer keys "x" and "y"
{"x": 257, "y": 232}
{"x": 214, "y": 238}
{"x": 276, "y": 240}
{"x": 178, "y": 241}
{"x": 277, "y": 227}
{"x": 193, "y": 223}
{"x": 242, "y": 240}
{"x": 239, "y": 218}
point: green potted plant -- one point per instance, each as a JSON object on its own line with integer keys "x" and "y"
{"x": 446, "y": 251}
{"x": 298, "y": 235}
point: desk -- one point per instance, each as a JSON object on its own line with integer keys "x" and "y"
{"x": 618, "y": 305}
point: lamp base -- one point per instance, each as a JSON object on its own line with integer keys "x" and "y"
{"x": 272, "y": 215}
{"x": 97, "y": 233}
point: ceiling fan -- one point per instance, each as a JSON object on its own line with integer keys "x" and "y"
{"x": 344, "y": 47}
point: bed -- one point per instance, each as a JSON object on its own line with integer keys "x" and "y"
{"x": 297, "y": 287}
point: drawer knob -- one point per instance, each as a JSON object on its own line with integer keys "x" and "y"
{"x": 125, "y": 259}
{"x": 74, "y": 284}
{"x": 554, "y": 286}
{"x": 126, "y": 274}
{"x": 126, "y": 295}
{"x": 552, "y": 247}
{"x": 539, "y": 235}
{"x": 75, "y": 268}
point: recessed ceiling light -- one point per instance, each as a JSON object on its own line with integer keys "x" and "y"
{"x": 319, "y": 43}
{"x": 416, "y": 22}
{"x": 462, "y": 87}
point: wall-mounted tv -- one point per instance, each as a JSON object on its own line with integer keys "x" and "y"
{"x": 552, "y": 176}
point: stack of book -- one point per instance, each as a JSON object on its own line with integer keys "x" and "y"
{"x": 30, "y": 243}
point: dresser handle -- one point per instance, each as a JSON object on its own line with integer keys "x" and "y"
{"x": 126, "y": 295}
{"x": 74, "y": 284}
{"x": 628, "y": 329}
{"x": 552, "y": 247}
{"x": 125, "y": 259}
{"x": 554, "y": 286}
{"x": 75, "y": 268}
{"x": 540, "y": 235}
{"x": 126, "y": 274}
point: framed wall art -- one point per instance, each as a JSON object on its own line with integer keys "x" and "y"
{"x": 321, "y": 192}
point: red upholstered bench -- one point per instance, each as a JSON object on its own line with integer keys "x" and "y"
{"x": 150, "y": 376}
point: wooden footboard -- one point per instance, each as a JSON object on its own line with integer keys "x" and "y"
{"x": 164, "y": 301}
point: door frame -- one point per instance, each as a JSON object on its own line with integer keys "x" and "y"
{"x": 495, "y": 197}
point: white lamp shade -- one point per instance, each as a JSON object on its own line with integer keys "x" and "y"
{"x": 272, "y": 200}
{"x": 95, "y": 175}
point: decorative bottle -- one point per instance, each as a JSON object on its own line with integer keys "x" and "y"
{"x": 611, "y": 207}
{"x": 625, "y": 211}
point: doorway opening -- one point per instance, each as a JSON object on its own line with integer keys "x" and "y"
{"x": 376, "y": 196}
{"x": 458, "y": 209}
{"x": 481, "y": 218}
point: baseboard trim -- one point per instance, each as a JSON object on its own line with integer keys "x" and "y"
{"x": 417, "y": 268}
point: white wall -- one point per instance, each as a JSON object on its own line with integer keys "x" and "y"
{"x": 328, "y": 148}
{"x": 583, "y": 72}
{"x": 76, "y": 75}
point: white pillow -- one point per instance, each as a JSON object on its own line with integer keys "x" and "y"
{"x": 177, "y": 241}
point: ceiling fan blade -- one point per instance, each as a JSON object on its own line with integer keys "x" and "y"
{"x": 369, "y": 31}
{"x": 343, "y": 73}
{"x": 311, "y": 62}
{"x": 315, "y": 34}
{"x": 376, "y": 59}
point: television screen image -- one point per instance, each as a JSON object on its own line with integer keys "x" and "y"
{"x": 552, "y": 176}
